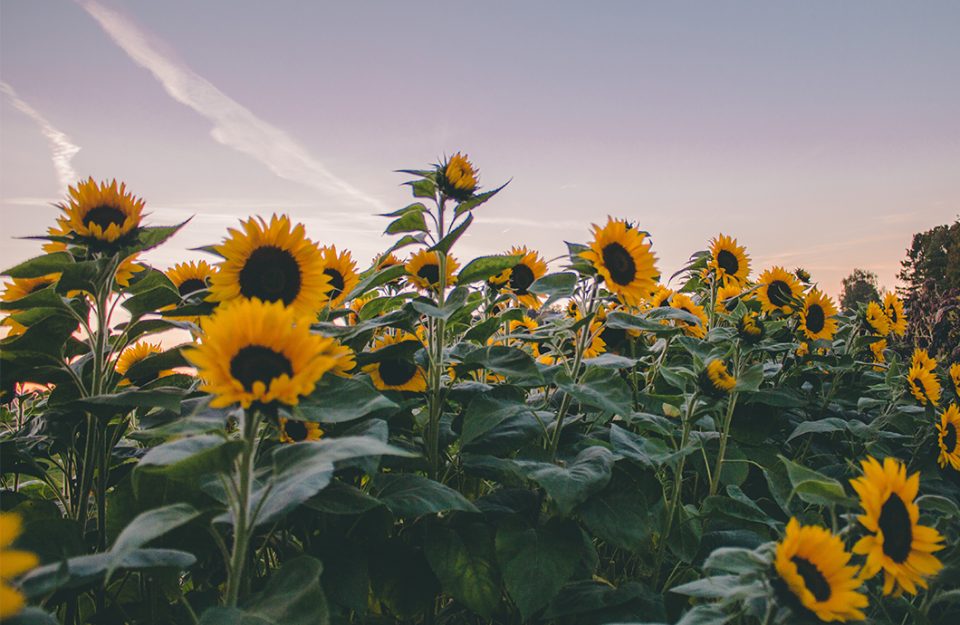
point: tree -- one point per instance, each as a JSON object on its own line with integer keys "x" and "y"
{"x": 860, "y": 287}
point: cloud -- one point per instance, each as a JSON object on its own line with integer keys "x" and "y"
{"x": 63, "y": 150}
{"x": 233, "y": 125}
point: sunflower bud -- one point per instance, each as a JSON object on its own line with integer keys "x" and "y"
{"x": 457, "y": 178}
{"x": 750, "y": 329}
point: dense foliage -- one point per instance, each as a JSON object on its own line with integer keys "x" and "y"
{"x": 276, "y": 437}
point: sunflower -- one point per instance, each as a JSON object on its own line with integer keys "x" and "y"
{"x": 18, "y": 289}
{"x": 750, "y": 328}
{"x": 457, "y": 178}
{"x": 777, "y": 291}
{"x": 190, "y": 277}
{"x": 727, "y": 299}
{"x": 893, "y": 309}
{"x": 683, "y": 302}
{"x": 15, "y": 562}
{"x": 572, "y": 310}
{"x": 728, "y": 261}
{"x": 924, "y": 385}
{"x": 802, "y": 275}
{"x": 518, "y": 279}
{"x": 947, "y": 431}
{"x": 920, "y": 358}
{"x": 342, "y": 272}
{"x": 817, "y": 317}
{"x": 396, "y": 373}
{"x": 344, "y": 360}
{"x": 134, "y": 354}
{"x": 660, "y": 297}
{"x": 62, "y": 229}
{"x": 253, "y": 351}
{"x": 814, "y": 566}
{"x": 102, "y": 212}
{"x": 802, "y": 350}
{"x": 877, "y": 319}
{"x": 877, "y": 348}
{"x": 897, "y": 544}
{"x": 293, "y": 431}
{"x": 383, "y": 261}
{"x": 716, "y": 380}
{"x": 621, "y": 255}
{"x": 125, "y": 270}
{"x": 272, "y": 262}
{"x": 423, "y": 270}
{"x": 955, "y": 377}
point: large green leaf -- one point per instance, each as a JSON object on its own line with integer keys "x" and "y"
{"x": 464, "y": 561}
{"x": 507, "y": 361}
{"x": 600, "y": 388}
{"x": 146, "y": 527}
{"x": 338, "y": 399}
{"x": 189, "y": 458}
{"x": 484, "y": 267}
{"x": 623, "y": 514}
{"x": 410, "y": 495}
{"x": 573, "y": 484}
{"x": 489, "y": 415}
{"x": 814, "y": 487}
{"x": 41, "y": 266}
{"x": 293, "y": 595}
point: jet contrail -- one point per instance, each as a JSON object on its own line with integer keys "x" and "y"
{"x": 63, "y": 150}
{"x": 233, "y": 125}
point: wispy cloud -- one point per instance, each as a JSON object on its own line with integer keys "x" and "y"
{"x": 63, "y": 150}
{"x": 233, "y": 125}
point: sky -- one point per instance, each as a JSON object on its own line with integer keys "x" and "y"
{"x": 821, "y": 134}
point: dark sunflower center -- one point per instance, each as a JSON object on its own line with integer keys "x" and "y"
{"x": 619, "y": 263}
{"x": 336, "y": 282}
{"x": 950, "y": 438}
{"x": 271, "y": 274}
{"x": 779, "y": 293}
{"x": 813, "y": 579}
{"x": 191, "y": 285}
{"x": 521, "y": 277}
{"x": 255, "y": 363}
{"x": 728, "y": 262}
{"x": 896, "y": 528}
{"x": 892, "y": 313}
{"x": 296, "y": 430}
{"x": 614, "y": 338}
{"x": 815, "y": 318}
{"x": 395, "y": 372}
{"x": 430, "y": 273}
{"x": 104, "y": 216}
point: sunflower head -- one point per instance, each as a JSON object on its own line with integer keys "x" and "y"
{"x": 61, "y": 230}
{"x": 947, "y": 431}
{"x": 572, "y": 310}
{"x": 924, "y": 385}
{"x": 342, "y": 272}
{"x": 660, "y": 297}
{"x": 697, "y": 329}
{"x": 15, "y": 562}
{"x": 272, "y": 262}
{"x": 716, "y": 379}
{"x": 621, "y": 255}
{"x": 293, "y": 431}
{"x": 134, "y": 354}
{"x": 955, "y": 378}
{"x": 802, "y": 350}
{"x": 728, "y": 262}
{"x": 727, "y": 299}
{"x": 893, "y": 309}
{"x": 877, "y": 348}
{"x": 190, "y": 277}
{"x": 920, "y": 358}
{"x": 395, "y": 370}
{"x": 19, "y": 288}
{"x": 896, "y": 544}
{"x": 778, "y": 291}
{"x": 749, "y": 328}
{"x": 457, "y": 177}
{"x": 877, "y": 319}
{"x": 423, "y": 270}
{"x": 103, "y": 213}
{"x": 383, "y": 261}
{"x": 802, "y": 275}
{"x": 817, "y": 318}
{"x": 253, "y": 351}
{"x": 815, "y": 576}
{"x": 518, "y": 279}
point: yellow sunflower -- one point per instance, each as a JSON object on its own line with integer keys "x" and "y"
{"x": 62, "y": 229}
{"x": 14, "y": 563}
{"x": 727, "y": 298}
{"x": 190, "y": 277}
{"x": 778, "y": 290}
{"x": 572, "y": 310}
{"x": 102, "y": 212}
{"x": 125, "y": 271}
{"x": 716, "y": 378}
{"x": 660, "y": 297}
{"x": 621, "y": 255}
{"x": 802, "y": 350}
{"x": 134, "y": 354}
{"x": 253, "y": 351}
{"x": 817, "y": 319}
{"x": 955, "y": 377}
{"x": 518, "y": 279}
{"x": 683, "y": 302}
{"x": 457, "y": 178}
{"x": 898, "y": 545}
{"x": 423, "y": 270}
{"x": 750, "y": 328}
{"x": 382, "y": 261}
{"x": 272, "y": 262}
{"x": 877, "y": 348}
{"x": 344, "y": 360}
{"x": 947, "y": 431}
{"x": 18, "y": 289}
{"x": 342, "y": 271}
{"x": 815, "y": 567}
{"x": 728, "y": 261}
{"x": 920, "y": 358}
{"x": 924, "y": 385}
{"x": 396, "y": 373}
{"x": 893, "y": 309}
{"x": 293, "y": 431}
{"x": 877, "y": 319}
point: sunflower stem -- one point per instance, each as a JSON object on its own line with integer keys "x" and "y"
{"x": 243, "y": 519}
{"x": 725, "y": 431}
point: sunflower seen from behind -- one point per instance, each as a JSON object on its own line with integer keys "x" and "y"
{"x": 271, "y": 262}
{"x": 621, "y": 255}
{"x": 948, "y": 430}
{"x": 340, "y": 268}
{"x": 13, "y": 562}
{"x": 259, "y": 352}
{"x": 896, "y": 544}
{"x": 815, "y": 575}
{"x": 778, "y": 290}
{"x": 395, "y": 369}
{"x": 818, "y": 316}
{"x": 716, "y": 379}
{"x": 423, "y": 270}
{"x": 728, "y": 261}
{"x": 101, "y": 213}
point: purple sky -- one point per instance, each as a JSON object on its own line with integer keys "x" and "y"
{"x": 821, "y": 134}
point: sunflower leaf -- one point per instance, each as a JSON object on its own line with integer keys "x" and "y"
{"x": 41, "y": 266}
{"x": 484, "y": 267}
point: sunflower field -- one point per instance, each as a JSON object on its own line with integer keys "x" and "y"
{"x": 281, "y": 436}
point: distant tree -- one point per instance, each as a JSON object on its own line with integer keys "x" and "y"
{"x": 931, "y": 292}
{"x": 860, "y": 287}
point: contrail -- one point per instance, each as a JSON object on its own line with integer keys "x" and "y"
{"x": 63, "y": 150}
{"x": 233, "y": 125}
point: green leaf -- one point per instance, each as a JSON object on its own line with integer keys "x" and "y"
{"x": 150, "y": 237}
{"x": 337, "y": 400}
{"x": 600, "y": 388}
{"x": 341, "y": 498}
{"x": 555, "y": 285}
{"x": 410, "y": 221}
{"x": 506, "y": 361}
{"x": 830, "y": 424}
{"x": 486, "y": 414}
{"x": 750, "y": 380}
{"x": 814, "y": 487}
{"x": 465, "y": 563}
{"x": 32, "y": 616}
{"x": 484, "y": 267}
{"x": 623, "y": 321}
{"x": 623, "y": 514}
{"x": 293, "y": 595}
{"x": 39, "y": 266}
{"x": 376, "y": 279}
{"x": 410, "y": 495}
{"x": 477, "y": 200}
{"x": 536, "y": 561}
{"x": 404, "y": 241}
{"x": 231, "y": 616}
{"x": 168, "y": 399}
{"x": 453, "y": 304}
{"x": 447, "y": 242}
{"x": 146, "y": 527}
{"x": 189, "y": 458}
{"x": 649, "y": 452}
{"x": 151, "y": 301}
{"x": 571, "y": 485}
{"x": 423, "y": 188}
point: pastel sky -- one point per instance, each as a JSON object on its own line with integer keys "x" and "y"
{"x": 821, "y": 134}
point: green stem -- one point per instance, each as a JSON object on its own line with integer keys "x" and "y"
{"x": 724, "y": 437}
{"x": 244, "y": 521}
